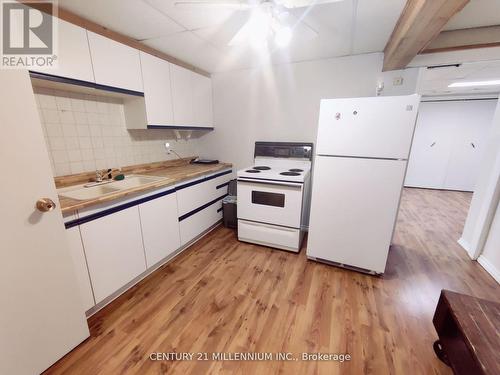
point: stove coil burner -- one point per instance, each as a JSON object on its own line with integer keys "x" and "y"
{"x": 262, "y": 168}
{"x": 252, "y": 171}
{"x": 290, "y": 173}
{"x": 296, "y": 170}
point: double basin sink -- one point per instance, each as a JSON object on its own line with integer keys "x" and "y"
{"x": 97, "y": 190}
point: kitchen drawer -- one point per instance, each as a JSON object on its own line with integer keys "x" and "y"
{"x": 195, "y": 224}
{"x": 191, "y": 197}
{"x": 269, "y": 235}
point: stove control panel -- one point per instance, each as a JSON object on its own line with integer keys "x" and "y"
{"x": 296, "y": 150}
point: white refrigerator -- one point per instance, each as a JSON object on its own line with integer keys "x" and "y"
{"x": 359, "y": 167}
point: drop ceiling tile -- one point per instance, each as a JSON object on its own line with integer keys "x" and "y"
{"x": 188, "y": 47}
{"x": 192, "y": 16}
{"x": 476, "y": 13}
{"x": 133, "y": 18}
{"x": 375, "y": 20}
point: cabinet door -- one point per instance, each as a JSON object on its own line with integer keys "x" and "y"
{"x": 200, "y": 221}
{"x": 157, "y": 90}
{"x": 160, "y": 228}
{"x": 474, "y": 119}
{"x": 114, "y": 249}
{"x": 431, "y": 148}
{"x": 182, "y": 96}
{"x": 202, "y": 100}
{"x": 115, "y": 64}
{"x": 80, "y": 264}
{"x": 73, "y": 57}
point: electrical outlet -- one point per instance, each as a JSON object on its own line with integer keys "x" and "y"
{"x": 397, "y": 81}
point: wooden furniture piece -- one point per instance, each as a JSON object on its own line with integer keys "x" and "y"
{"x": 469, "y": 336}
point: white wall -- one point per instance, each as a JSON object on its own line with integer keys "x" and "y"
{"x": 281, "y": 102}
{"x": 486, "y": 195}
{"x": 490, "y": 258}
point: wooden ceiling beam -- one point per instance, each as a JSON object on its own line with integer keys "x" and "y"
{"x": 455, "y": 40}
{"x": 419, "y": 24}
{"x": 75, "y": 19}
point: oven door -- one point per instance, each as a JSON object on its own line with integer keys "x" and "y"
{"x": 272, "y": 203}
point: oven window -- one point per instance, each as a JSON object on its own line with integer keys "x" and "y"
{"x": 268, "y": 199}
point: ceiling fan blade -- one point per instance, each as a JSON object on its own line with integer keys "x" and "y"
{"x": 291, "y": 4}
{"x": 236, "y": 5}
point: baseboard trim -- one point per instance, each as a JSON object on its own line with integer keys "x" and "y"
{"x": 466, "y": 246}
{"x": 489, "y": 267}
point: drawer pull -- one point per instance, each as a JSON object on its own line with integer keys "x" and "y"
{"x": 222, "y": 185}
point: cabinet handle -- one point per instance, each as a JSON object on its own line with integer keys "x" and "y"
{"x": 432, "y": 144}
{"x": 473, "y": 145}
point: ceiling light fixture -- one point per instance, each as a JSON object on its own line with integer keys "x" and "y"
{"x": 263, "y": 24}
{"x": 495, "y": 82}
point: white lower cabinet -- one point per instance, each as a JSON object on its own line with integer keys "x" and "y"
{"x": 114, "y": 249}
{"x": 195, "y": 224}
{"x": 81, "y": 271}
{"x": 160, "y": 228}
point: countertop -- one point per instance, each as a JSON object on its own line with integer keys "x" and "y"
{"x": 175, "y": 171}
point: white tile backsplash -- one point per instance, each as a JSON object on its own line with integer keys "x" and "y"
{"x": 87, "y": 132}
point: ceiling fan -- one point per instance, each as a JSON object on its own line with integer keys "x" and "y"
{"x": 268, "y": 18}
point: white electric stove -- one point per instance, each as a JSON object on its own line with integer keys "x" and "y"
{"x": 274, "y": 195}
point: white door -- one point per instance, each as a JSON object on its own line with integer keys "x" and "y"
{"x": 378, "y": 127}
{"x": 157, "y": 90}
{"x": 160, "y": 228}
{"x": 447, "y": 145}
{"x": 42, "y": 317}
{"x": 353, "y": 210}
{"x": 431, "y": 148}
{"x": 114, "y": 249}
{"x": 470, "y": 132}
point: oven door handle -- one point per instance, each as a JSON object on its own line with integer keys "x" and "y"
{"x": 297, "y": 185}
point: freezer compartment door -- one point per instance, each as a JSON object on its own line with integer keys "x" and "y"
{"x": 354, "y": 209}
{"x": 380, "y": 127}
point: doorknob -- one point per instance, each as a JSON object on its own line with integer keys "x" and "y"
{"x": 45, "y": 204}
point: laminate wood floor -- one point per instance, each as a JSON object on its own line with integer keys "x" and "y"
{"x": 221, "y": 295}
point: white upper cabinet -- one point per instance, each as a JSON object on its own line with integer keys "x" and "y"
{"x": 202, "y": 100}
{"x": 182, "y": 96}
{"x": 73, "y": 55}
{"x": 115, "y": 64}
{"x": 191, "y": 98}
{"x": 157, "y": 90}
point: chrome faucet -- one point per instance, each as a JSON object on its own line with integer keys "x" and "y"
{"x": 98, "y": 176}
